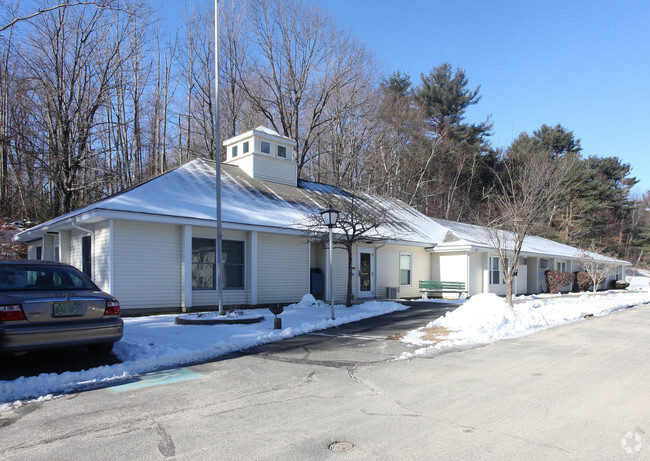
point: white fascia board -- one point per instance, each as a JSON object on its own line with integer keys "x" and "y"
{"x": 455, "y": 247}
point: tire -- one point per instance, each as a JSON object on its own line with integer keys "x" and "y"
{"x": 100, "y": 349}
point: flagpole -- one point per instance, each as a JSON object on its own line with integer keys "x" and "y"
{"x": 217, "y": 158}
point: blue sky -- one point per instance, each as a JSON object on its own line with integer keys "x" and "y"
{"x": 583, "y": 64}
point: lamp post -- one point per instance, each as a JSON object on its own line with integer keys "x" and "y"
{"x": 329, "y": 218}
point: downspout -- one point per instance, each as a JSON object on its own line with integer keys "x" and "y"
{"x": 83, "y": 229}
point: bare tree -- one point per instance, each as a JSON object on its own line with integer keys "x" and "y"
{"x": 300, "y": 60}
{"x": 597, "y": 267}
{"x": 526, "y": 189}
{"x": 360, "y": 219}
{"x": 73, "y": 76}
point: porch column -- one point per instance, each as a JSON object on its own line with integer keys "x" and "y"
{"x": 253, "y": 285}
{"x": 111, "y": 255}
{"x": 186, "y": 270}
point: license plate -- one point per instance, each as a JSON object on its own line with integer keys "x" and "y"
{"x": 67, "y": 309}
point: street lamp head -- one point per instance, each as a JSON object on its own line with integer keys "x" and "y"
{"x": 330, "y": 216}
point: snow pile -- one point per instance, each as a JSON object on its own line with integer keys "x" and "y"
{"x": 487, "y": 318}
{"x": 157, "y": 342}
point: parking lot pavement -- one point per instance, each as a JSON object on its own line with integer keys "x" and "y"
{"x": 578, "y": 391}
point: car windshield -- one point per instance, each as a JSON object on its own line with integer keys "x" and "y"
{"x": 43, "y": 278}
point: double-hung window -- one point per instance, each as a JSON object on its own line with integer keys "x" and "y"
{"x": 233, "y": 264}
{"x": 265, "y": 147}
{"x": 495, "y": 269}
{"x": 405, "y": 269}
{"x": 495, "y": 272}
{"x": 204, "y": 264}
{"x": 561, "y": 266}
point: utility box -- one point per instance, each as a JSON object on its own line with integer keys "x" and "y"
{"x": 392, "y": 292}
{"x": 316, "y": 283}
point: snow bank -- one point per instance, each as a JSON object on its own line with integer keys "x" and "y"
{"x": 487, "y": 318}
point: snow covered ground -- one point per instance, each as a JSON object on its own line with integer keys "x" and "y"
{"x": 156, "y": 342}
{"x": 487, "y": 318}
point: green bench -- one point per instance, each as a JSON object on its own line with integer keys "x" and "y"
{"x": 428, "y": 286}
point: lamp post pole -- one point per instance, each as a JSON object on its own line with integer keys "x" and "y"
{"x": 331, "y": 277}
{"x": 330, "y": 216}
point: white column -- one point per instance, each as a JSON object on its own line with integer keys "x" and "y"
{"x": 111, "y": 255}
{"x": 254, "y": 268}
{"x": 186, "y": 272}
{"x": 486, "y": 273}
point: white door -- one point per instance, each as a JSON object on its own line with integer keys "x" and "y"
{"x": 365, "y": 274}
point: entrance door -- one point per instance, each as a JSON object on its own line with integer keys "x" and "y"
{"x": 365, "y": 274}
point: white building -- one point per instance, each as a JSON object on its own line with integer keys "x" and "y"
{"x": 153, "y": 246}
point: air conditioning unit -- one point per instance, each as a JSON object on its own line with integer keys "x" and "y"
{"x": 392, "y": 292}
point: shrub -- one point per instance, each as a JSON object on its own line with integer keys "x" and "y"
{"x": 621, "y": 285}
{"x": 583, "y": 281}
{"x": 557, "y": 280}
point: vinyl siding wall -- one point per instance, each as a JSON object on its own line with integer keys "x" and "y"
{"x": 283, "y": 268}
{"x": 477, "y": 268}
{"x": 147, "y": 259}
{"x": 388, "y": 269}
{"x": 101, "y": 256}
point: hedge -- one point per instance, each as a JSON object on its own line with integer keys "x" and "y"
{"x": 558, "y": 279}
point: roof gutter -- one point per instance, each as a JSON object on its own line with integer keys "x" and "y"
{"x": 76, "y": 226}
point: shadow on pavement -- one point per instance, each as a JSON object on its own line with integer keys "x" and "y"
{"x": 52, "y": 361}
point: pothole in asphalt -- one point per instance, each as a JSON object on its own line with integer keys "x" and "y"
{"x": 341, "y": 446}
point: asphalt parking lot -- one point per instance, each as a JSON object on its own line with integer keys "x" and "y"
{"x": 577, "y": 391}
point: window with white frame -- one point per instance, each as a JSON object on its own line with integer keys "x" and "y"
{"x": 495, "y": 273}
{"x": 282, "y": 152}
{"x": 204, "y": 264}
{"x": 561, "y": 266}
{"x": 245, "y": 148}
{"x": 234, "y": 151}
{"x": 233, "y": 264}
{"x": 265, "y": 147}
{"x": 405, "y": 269}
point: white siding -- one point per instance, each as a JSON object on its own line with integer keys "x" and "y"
{"x": 31, "y": 248}
{"x": 521, "y": 285}
{"x": 275, "y": 170}
{"x": 75, "y": 248}
{"x": 48, "y": 247}
{"x": 65, "y": 246}
{"x": 388, "y": 269}
{"x": 267, "y": 168}
{"x": 283, "y": 264}
{"x": 435, "y": 267}
{"x": 147, "y": 265}
{"x": 453, "y": 267}
{"x": 533, "y": 267}
{"x": 477, "y": 267}
{"x": 101, "y": 254}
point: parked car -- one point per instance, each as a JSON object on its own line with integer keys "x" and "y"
{"x": 46, "y": 304}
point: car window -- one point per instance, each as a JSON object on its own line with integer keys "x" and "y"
{"x": 35, "y": 278}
